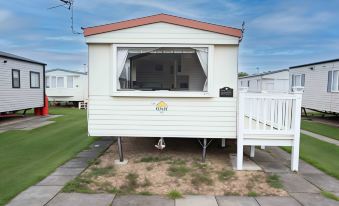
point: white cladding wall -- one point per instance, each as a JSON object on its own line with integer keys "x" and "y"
{"x": 78, "y": 93}
{"x": 210, "y": 117}
{"x": 24, "y": 97}
{"x": 315, "y": 94}
{"x": 276, "y": 82}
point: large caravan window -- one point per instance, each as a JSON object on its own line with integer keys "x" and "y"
{"x": 15, "y": 78}
{"x": 60, "y": 82}
{"x": 47, "y": 82}
{"x": 162, "y": 68}
{"x": 69, "y": 81}
{"x": 335, "y": 82}
{"x": 35, "y": 79}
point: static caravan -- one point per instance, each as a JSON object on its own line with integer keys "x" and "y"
{"x": 22, "y": 84}
{"x": 66, "y": 86}
{"x": 166, "y": 76}
{"x": 273, "y": 81}
{"x": 320, "y": 81}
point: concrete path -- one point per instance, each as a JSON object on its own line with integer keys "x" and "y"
{"x": 320, "y": 137}
{"x": 26, "y": 123}
{"x": 304, "y": 188}
{"x": 46, "y": 190}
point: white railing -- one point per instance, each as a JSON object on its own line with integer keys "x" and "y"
{"x": 269, "y": 119}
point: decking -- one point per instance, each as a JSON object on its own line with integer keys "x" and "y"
{"x": 266, "y": 119}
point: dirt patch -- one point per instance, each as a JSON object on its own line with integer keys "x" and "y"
{"x": 179, "y": 167}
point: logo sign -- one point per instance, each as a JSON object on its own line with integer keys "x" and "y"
{"x": 161, "y": 106}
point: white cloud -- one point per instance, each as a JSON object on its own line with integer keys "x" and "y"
{"x": 8, "y": 21}
{"x": 291, "y": 21}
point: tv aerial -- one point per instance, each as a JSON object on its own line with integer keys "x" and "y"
{"x": 68, "y": 4}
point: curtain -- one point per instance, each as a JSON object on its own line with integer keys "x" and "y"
{"x": 121, "y": 59}
{"x": 202, "y": 54}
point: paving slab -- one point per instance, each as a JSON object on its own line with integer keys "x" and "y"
{"x": 78, "y": 199}
{"x": 236, "y": 201}
{"x": 56, "y": 180}
{"x": 305, "y": 168}
{"x": 35, "y": 196}
{"x": 261, "y": 156}
{"x": 76, "y": 163}
{"x": 196, "y": 200}
{"x": 248, "y": 164}
{"x": 296, "y": 183}
{"x": 279, "y": 153}
{"x": 307, "y": 199}
{"x": 89, "y": 154}
{"x": 274, "y": 167}
{"x": 67, "y": 171}
{"x": 277, "y": 201}
{"x": 140, "y": 200}
{"x": 324, "y": 182}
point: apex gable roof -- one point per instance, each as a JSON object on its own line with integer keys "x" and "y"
{"x": 165, "y": 18}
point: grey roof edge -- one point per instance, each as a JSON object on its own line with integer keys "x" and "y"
{"x": 20, "y": 58}
{"x": 315, "y": 63}
{"x": 263, "y": 73}
{"x": 65, "y": 70}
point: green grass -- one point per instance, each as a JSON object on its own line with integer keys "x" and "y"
{"x": 174, "y": 194}
{"x": 330, "y": 195}
{"x": 131, "y": 183}
{"x": 101, "y": 171}
{"x": 319, "y": 128}
{"x": 274, "y": 181}
{"x": 252, "y": 194}
{"x": 178, "y": 171}
{"x": 201, "y": 179}
{"x": 154, "y": 159}
{"x": 225, "y": 174}
{"x": 320, "y": 154}
{"x": 79, "y": 184}
{"x": 26, "y": 157}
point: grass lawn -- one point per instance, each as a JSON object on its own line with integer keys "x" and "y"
{"x": 319, "y": 128}
{"x": 320, "y": 154}
{"x": 26, "y": 157}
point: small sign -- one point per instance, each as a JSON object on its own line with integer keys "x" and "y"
{"x": 226, "y": 92}
{"x": 161, "y": 106}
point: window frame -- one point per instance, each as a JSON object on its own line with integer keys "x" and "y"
{"x": 294, "y": 80}
{"x": 333, "y": 77}
{"x": 30, "y": 79}
{"x": 161, "y": 93}
{"x": 14, "y": 87}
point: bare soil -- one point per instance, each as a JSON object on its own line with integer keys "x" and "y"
{"x": 153, "y": 176}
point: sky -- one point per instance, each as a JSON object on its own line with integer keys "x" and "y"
{"x": 278, "y": 33}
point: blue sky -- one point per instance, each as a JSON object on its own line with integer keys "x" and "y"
{"x": 278, "y": 34}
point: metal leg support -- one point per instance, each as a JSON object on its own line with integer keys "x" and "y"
{"x": 121, "y": 154}
{"x": 204, "y": 147}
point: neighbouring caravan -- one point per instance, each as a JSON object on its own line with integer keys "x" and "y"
{"x": 66, "y": 86}
{"x": 166, "y": 76}
{"x": 320, "y": 81}
{"x": 272, "y": 81}
{"x": 22, "y": 84}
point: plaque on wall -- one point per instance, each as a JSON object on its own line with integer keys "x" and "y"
{"x": 226, "y": 92}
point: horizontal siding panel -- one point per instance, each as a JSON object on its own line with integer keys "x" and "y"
{"x": 152, "y": 133}
{"x": 133, "y": 123}
{"x": 162, "y": 128}
{"x": 170, "y": 108}
{"x": 160, "y": 118}
{"x": 167, "y": 113}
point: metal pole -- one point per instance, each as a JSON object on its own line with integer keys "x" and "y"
{"x": 204, "y": 146}
{"x": 121, "y": 155}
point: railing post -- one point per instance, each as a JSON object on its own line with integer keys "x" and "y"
{"x": 240, "y": 129}
{"x": 296, "y": 139}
